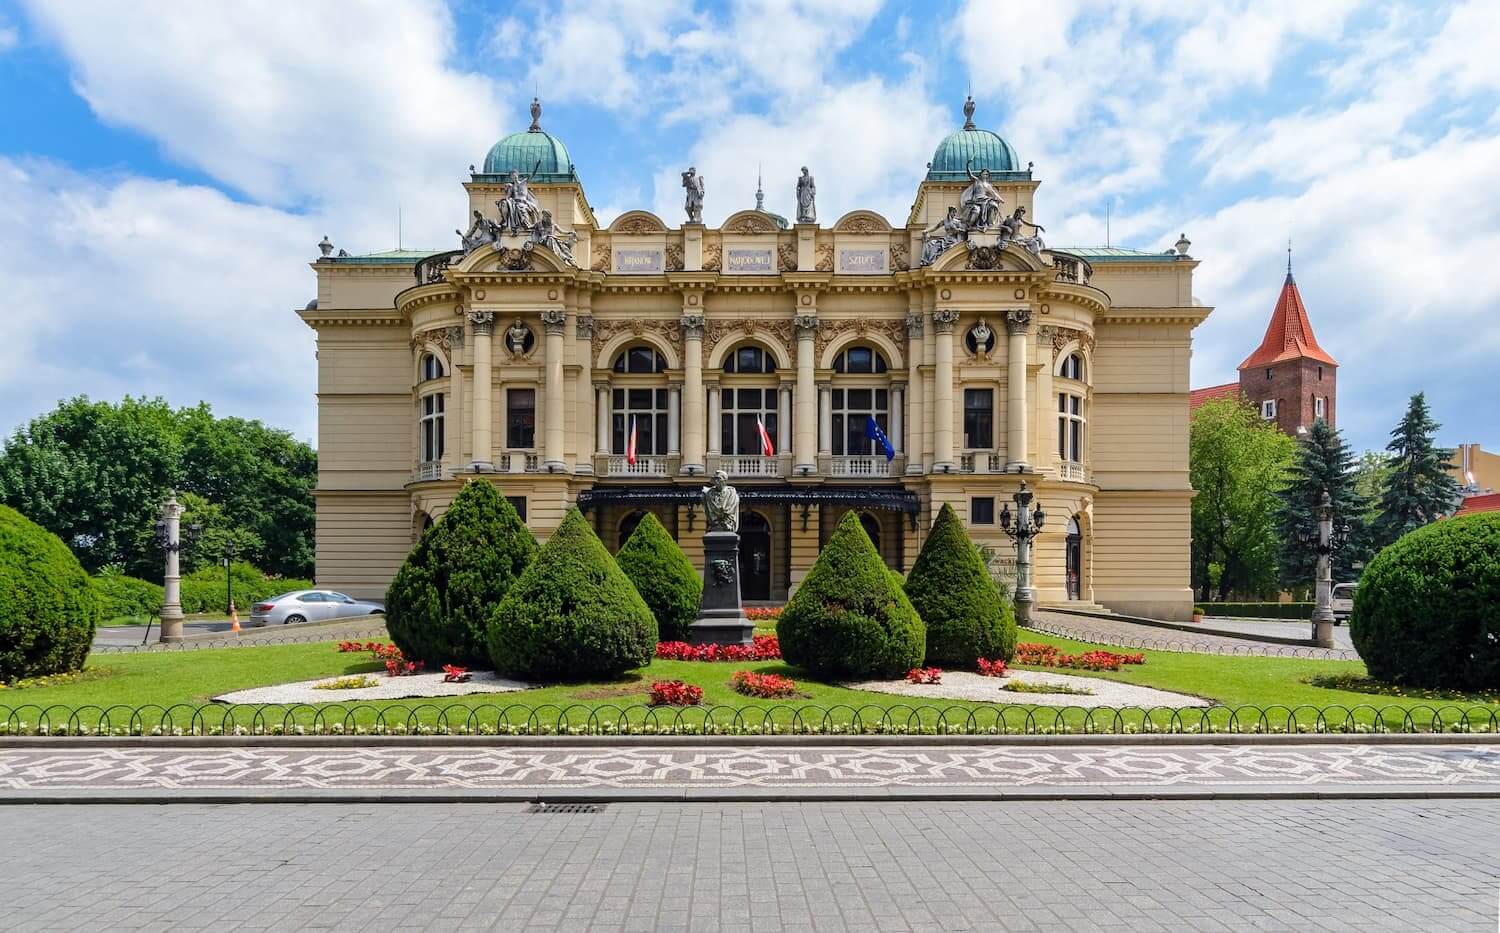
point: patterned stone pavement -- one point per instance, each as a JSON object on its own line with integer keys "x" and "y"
{"x": 1101, "y": 630}
{"x": 709, "y": 772}
{"x": 1140, "y": 866}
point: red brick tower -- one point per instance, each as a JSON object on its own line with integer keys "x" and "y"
{"x": 1289, "y": 378}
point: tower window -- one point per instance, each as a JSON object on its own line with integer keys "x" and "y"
{"x": 1320, "y": 374}
{"x": 1268, "y": 375}
{"x": 1268, "y": 409}
{"x": 1317, "y": 406}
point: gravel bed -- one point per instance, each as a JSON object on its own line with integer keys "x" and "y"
{"x": 386, "y": 688}
{"x": 963, "y": 685}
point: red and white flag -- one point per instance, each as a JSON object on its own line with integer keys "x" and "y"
{"x": 767, "y": 449}
{"x": 630, "y": 447}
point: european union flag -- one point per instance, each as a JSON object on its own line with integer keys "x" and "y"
{"x": 873, "y": 432}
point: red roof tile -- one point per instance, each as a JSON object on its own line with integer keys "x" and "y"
{"x": 1290, "y": 334}
{"x": 1199, "y": 396}
{"x": 1485, "y": 503}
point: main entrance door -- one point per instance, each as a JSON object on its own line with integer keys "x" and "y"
{"x": 1075, "y": 559}
{"x": 755, "y": 557}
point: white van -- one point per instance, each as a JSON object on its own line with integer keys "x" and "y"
{"x": 1343, "y": 601}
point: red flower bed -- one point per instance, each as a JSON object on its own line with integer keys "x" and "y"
{"x": 396, "y": 664}
{"x": 995, "y": 668}
{"x": 762, "y": 648}
{"x": 1096, "y": 660}
{"x": 453, "y": 674}
{"x": 765, "y": 686}
{"x": 763, "y": 613}
{"x": 371, "y": 646}
{"x": 675, "y": 693}
{"x": 925, "y": 675}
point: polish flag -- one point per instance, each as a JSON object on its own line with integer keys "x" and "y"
{"x": 630, "y": 447}
{"x": 767, "y": 449}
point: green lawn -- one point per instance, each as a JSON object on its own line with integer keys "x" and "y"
{"x": 165, "y": 679}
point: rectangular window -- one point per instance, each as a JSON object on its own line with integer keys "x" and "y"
{"x": 982, "y": 510}
{"x": 520, "y": 418}
{"x": 1317, "y": 406}
{"x": 979, "y": 419}
{"x": 431, "y": 415}
{"x": 519, "y": 503}
{"x": 1268, "y": 375}
{"x": 1268, "y": 409}
{"x": 647, "y": 409}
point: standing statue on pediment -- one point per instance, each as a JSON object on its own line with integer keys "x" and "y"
{"x": 980, "y": 203}
{"x": 481, "y": 231}
{"x": 519, "y": 209}
{"x": 807, "y": 194}
{"x": 693, "y": 183}
{"x": 937, "y": 238}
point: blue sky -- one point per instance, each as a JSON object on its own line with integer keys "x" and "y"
{"x": 166, "y": 170}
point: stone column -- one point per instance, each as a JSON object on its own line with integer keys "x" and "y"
{"x": 483, "y": 323}
{"x": 898, "y": 405}
{"x": 825, "y": 419}
{"x": 783, "y": 417}
{"x": 715, "y": 436}
{"x": 942, "y": 392}
{"x": 913, "y": 445}
{"x": 1017, "y": 323}
{"x": 601, "y": 412}
{"x": 453, "y": 417}
{"x": 692, "y": 399}
{"x": 171, "y": 607}
{"x": 674, "y": 418}
{"x": 553, "y": 320}
{"x": 583, "y": 393}
{"x": 804, "y": 439}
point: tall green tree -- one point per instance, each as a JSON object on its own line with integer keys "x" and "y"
{"x": 1418, "y": 488}
{"x": 1324, "y": 462}
{"x": 1371, "y": 471}
{"x": 1238, "y": 462}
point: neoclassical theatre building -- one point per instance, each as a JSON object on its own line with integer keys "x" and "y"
{"x": 529, "y": 356}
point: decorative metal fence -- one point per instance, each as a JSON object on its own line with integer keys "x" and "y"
{"x": 1192, "y": 643}
{"x": 921, "y": 719}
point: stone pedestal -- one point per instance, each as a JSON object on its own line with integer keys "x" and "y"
{"x": 721, "y": 619}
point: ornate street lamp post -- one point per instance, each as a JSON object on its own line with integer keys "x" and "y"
{"x": 1027, "y": 524}
{"x": 229, "y": 556}
{"x": 170, "y": 540}
{"x": 1328, "y": 539}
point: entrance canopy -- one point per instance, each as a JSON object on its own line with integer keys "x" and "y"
{"x": 889, "y": 498}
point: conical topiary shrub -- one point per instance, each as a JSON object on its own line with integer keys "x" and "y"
{"x": 665, "y": 578}
{"x": 438, "y": 607}
{"x": 573, "y": 615}
{"x": 48, "y": 607}
{"x": 952, "y": 591}
{"x": 849, "y": 618}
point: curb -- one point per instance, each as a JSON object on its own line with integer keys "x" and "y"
{"x": 1197, "y": 628}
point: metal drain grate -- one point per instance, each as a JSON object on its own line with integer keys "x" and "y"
{"x": 566, "y": 808}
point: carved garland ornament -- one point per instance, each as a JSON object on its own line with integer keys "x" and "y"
{"x": 780, "y": 332}
{"x": 861, "y": 225}
{"x": 825, "y": 258}
{"x": 445, "y": 337}
{"x": 607, "y": 330}
{"x": 787, "y": 254}
{"x": 713, "y": 255}
{"x": 639, "y": 225}
{"x": 749, "y": 225}
{"x": 674, "y": 257}
{"x": 828, "y": 331}
{"x": 1060, "y": 337}
{"x": 899, "y": 260}
{"x": 602, "y": 256}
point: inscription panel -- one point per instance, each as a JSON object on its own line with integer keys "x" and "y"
{"x": 749, "y": 261}
{"x": 638, "y": 261}
{"x": 863, "y": 261}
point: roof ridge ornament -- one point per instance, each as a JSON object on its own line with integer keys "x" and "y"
{"x": 536, "y": 116}
{"x": 969, "y": 113}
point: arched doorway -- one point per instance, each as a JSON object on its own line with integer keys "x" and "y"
{"x": 755, "y": 557}
{"x": 872, "y": 528}
{"x": 627, "y": 528}
{"x": 1074, "y": 552}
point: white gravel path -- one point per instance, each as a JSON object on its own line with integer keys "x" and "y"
{"x": 386, "y": 688}
{"x": 963, "y": 685}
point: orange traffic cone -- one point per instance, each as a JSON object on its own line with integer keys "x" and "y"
{"x": 234, "y": 619}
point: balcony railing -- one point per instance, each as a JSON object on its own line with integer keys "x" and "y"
{"x": 643, "y": 466}
{"x": 518, "y": 462}
{"x": 981, "y": 462}
{"x": 1072, "y": 472}
{"x": 859, "y": 466}
{"x": 430, "y": 470}
{"x": 751, "y": 466}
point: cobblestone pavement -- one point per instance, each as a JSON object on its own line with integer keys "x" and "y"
{"x": 1139, "y": 866}
{"x": 703, "y": 772}
{"x": 1107, "y": 631}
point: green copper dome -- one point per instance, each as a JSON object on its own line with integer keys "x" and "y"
{"x": 971, "y": 144}
{"x": 534, "y": 152}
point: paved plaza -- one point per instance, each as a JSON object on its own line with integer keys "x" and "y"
{"x": 1139, "y": 866}
{"x": 698, "y": 771}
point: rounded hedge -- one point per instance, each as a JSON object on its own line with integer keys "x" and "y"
{"x": 664, "y": 577}
{"x": 438, "y": 607}
{"x": 120, "y": 595}
{"x": 849, "y": 617}
{"x": 953, "y": 592}
{"x": 204, "y": 590}
{"x": 1427, "y": 610}
{"x": 48, "y": 606}
{"x": 573, "y": 615}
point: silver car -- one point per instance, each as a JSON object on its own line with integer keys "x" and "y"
{"x": 300, "y": 606}
{"x": 1342, "y": 599}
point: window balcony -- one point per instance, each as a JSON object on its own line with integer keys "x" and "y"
{"x": 516, "y": 462}
{"x": 860, "y": 467}
{"x": 426, "y": 472}
{"x": 1072, "y": 472}
{"x": 751, "y": 466}
{"x": 644, "y": 466}
{"x": 981, "y": 461}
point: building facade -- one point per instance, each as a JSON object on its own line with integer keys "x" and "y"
{"x": 618, "y": 366}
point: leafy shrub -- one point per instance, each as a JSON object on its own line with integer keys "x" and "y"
{"x": 573, "y": 614}
{"x": 204, "y": 590}
{"x": 48, "y": 607}
{"x": 120, "y": 595}
{"x": 1427, "y": 611}
{"x": 664, "y": 577}
{"x": 952, "y": 591}
{"x": 849, "y": 618}
{"x": 437, "y": 608}
{"x": 1298, "y": 611}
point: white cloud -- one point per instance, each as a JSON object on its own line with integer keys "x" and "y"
{"x": 9, "y": 37}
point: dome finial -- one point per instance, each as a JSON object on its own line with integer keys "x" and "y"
{"x": 536, "y": 116}
{"x": 760, "y": 194}
{"x": 969, "y": 113}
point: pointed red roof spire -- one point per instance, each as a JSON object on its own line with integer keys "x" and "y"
{"x": 1289, "y": 335}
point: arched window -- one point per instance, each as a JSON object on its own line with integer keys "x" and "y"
{"x": 1072, "y": 367}
{"x": 860, "y": 360}
{"x": 1070, "y": 425}
{"x": 432, "y": 367}
{"x": 640, "y": 359}
{"x": 749, "y": 359}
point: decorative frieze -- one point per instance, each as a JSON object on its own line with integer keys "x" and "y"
{"x": 776, "y": 332}
{"x": 606, "y": 330}
{"x": 831, "y": 330}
